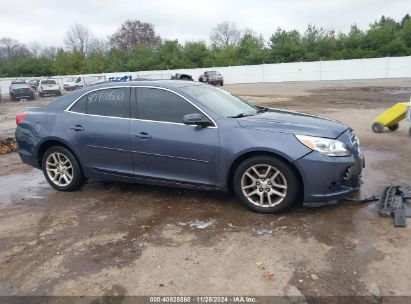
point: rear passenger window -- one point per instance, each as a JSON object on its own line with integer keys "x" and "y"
{"x": 80, "y": 105}
{"x": 162, "y": 105}
{"x": 107, "y": 102}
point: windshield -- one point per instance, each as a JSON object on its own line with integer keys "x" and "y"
{"x": 48, "y": 82}
{"x": 220, "y": 101}
{"x": 70, "y": 79}
{"x": 20, "y": 86}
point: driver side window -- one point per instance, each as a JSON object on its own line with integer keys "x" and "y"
{"x": 162, "y": 105}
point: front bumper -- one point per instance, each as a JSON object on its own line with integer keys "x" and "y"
{"x": 51, "y": 92}
{"x": 328, "y": 178}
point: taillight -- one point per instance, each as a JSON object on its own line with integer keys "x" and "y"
{"x": 20, "y": 117}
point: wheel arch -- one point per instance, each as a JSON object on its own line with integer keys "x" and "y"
{"x": 51, "y": 142}
{"x": 241, "y": 158}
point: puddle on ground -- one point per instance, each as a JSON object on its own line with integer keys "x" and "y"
{"x": 22, "y": 186}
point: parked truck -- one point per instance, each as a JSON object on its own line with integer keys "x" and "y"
{"x": 74, "y": 83}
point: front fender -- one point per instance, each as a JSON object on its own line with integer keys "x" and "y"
{"x": 237, "y": 142}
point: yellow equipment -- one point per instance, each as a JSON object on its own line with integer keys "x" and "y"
{"x": 392, "y": 117}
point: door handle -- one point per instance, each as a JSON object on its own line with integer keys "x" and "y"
{"x": 77, "y": 128}
{"x": 143, "y": 135}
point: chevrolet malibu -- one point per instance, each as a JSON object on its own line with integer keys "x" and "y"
{"x": 186, "y": 134}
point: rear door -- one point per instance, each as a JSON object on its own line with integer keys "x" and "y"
{"x": 163, "y": 147}
{"x": 98, "y": 125}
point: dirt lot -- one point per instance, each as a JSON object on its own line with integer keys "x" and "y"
{"x": 124, "y": 239}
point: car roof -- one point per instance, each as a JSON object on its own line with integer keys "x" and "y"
{"x": 20, "y": 84}
{"x": 168, "y": 84}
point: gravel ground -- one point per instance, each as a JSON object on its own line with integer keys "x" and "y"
{"x": 125, "y": 239}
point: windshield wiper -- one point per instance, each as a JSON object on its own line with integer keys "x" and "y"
{"x": 262, "y": 109}
{"x": 239, "y": 115}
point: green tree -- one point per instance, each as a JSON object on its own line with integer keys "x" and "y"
{"x": 286, "y": 46}
{"x": 170, "y": 55}
{"x": 252, "y": 49}
{"x": 143, "y": 58}
{"x": 117, "y": 61}
{"x": 96, "y": 62}
{"x": 195, "y": 54}
{"x": 226, "y": 56}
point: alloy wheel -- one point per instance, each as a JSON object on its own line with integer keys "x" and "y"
{"x": 59, "y": 169}
{"x": 264, "y": 185}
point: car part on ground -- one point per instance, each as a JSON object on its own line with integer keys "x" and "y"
{"x": 182, "y": 77}
{"x": 212, "y": 77}
{"x": 392, "y": 117}
{"x": 393, "y": 202}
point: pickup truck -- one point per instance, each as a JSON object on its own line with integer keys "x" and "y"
{"x": 49, "y": 87}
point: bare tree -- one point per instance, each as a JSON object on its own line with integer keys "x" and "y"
{"x": 49, "y": 52}
{"x": 78, "y": 38}
{"x": 10, "y": 47}
{"x": 224, "y": 34}
{"x": 99, "y": 45}
{"x": 134, "y": 32}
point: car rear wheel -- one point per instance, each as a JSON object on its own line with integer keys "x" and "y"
{"x": 61, "y": 169}
{"x": 266, "y": 184}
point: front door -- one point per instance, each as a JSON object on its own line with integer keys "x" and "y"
{"x": 166, "y": 149}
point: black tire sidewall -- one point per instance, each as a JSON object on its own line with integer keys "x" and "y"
{"x": 394, "y": 127}
{"x": 78, "y": 177}
{"x": 377, "y": 127}
{"x": 289, "y": 174}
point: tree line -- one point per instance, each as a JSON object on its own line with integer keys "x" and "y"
{"x": 135, "y": 46}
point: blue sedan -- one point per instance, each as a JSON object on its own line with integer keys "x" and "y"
{"x": 186, "y": 134}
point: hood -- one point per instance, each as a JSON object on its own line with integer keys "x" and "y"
{"x": 293, "y": 122}
{"x": 216, "y": 77}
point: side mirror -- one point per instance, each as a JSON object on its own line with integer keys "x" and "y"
{"x": 196, "y": 120}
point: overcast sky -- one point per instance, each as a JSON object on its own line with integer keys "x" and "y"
{"x": 46, "y": 21}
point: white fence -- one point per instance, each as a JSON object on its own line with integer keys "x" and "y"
{"x": 372, "y": 68}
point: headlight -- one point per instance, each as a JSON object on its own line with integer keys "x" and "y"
{"x": 330, "y": 147}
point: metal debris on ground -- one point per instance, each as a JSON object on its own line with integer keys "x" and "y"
{"x": 393, "y": 202}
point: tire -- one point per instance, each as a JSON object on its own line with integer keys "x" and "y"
{"x": 62, "y": 154}
{"x": 41, "y": 94}
{"x": 377, "y": 127}
{"x": 286, "y": 177}
{"x": 409, "y": 131}
{"x": 394, "y": 127}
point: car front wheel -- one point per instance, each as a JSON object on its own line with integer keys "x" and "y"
{"x": 266, "y": 184}
{"x": 61, "y": 169}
